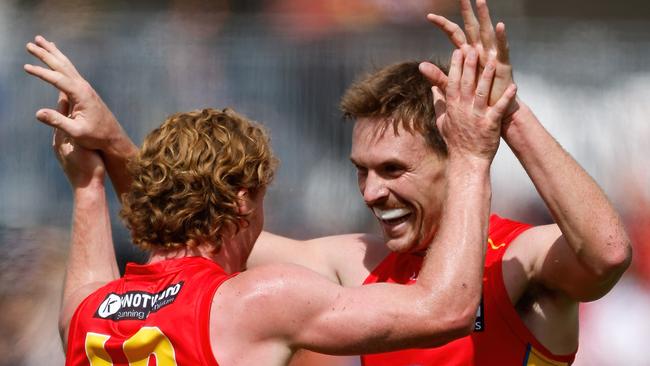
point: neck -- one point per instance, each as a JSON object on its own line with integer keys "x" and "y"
{"x": 228, "y": 257}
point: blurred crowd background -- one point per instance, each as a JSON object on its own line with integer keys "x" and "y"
{"x": 581, "y": 65}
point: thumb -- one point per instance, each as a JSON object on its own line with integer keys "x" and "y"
{"x": 55, "y": 119}
{"x": 499, "y": 109}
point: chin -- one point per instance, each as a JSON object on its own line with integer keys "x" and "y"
{"x": 400, "y": 245}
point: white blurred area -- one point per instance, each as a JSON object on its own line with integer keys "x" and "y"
{"x": 581, "y": 67}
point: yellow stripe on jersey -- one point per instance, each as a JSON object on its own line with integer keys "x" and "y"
{"x": 536, "y": 358}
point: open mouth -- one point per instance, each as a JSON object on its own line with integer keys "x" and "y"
{"x": 397, "y": 221}
{"x": 393, "y": 216}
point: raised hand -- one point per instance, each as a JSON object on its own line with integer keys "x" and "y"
{"x": 88, "y": 121}
{"x": 469, "y": 125}
{"x": 85, "y": 118}
{"x": 486, "y": 40}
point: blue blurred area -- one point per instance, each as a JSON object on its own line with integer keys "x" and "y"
{"x": 582, "y": 67}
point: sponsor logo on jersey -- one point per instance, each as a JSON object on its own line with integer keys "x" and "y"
{"x": 479, "y": 323}
{"x": 136, "y": 305}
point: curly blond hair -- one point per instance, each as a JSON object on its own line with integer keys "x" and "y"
{"x": 396, "y": 95}
{"x": 187, "y": 175}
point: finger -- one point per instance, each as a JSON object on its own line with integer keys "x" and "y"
{"x": 503, "y": 49}
{"x": 471, "y": 24}
{"x": 50, "y": 47}
{"x": 439, "y": 105}
{"x": 486, "y": 29}
{"x": 57, "y": 141}
{"x": 455, "y": 72}
{"x": 499, "y": 109}
{"x": 65, "y": 65}
{"x": 453, "y": 31}
{"x": 57, "y": 120}
{"x": 483, "y": 88}
{"x": 63, "y": 104}
{"x": 42, "y": 54}
{"x": 55, "y": 78}
{"x": 432, "y": 73}
{"x": 468, "y": 79}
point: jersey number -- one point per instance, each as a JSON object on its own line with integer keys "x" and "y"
{"x": 137, "y": 349}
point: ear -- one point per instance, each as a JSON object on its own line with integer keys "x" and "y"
{"x": 244, "y": 203}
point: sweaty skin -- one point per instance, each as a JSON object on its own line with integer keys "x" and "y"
{"x": 588, "y": 246}
{"x": 268, "y": 312}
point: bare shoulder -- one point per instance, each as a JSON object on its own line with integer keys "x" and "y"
{"x": 531, "y": 246}
{"x": 264, "y": 298}
{"x": 354, "y": 256}
{"x": 531, "y": 281}
{"x": 523, "y": 255}
{"x": 331, "y": 256}
{"x": 256, "y": 314}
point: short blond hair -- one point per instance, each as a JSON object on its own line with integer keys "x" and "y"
{"x": 187, "y": 175}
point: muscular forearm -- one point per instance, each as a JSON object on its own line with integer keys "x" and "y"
{"x": 589, "y": 223}
{"x": 92, "y": 256}
{"x": 454, "y": 263}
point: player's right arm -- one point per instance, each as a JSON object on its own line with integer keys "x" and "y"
{"x": 303, "y": 310}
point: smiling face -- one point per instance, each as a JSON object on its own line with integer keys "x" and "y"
{"x": 402, "y": 180}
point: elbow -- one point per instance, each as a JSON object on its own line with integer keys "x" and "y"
{"x": 457, "y": 324}
{"x": 452, "y": 320}
{"x": 458, "y": 327}
{"x": 616, "y": 260}
{"x": 462, "y": 322}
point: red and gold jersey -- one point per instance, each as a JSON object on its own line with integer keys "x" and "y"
{"x": 157, "y": 314}
{"x": 500, "y": 337}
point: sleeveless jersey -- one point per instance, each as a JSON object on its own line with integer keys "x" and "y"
{"x": 500, "y": 337}
{"x": 157, "y": 314}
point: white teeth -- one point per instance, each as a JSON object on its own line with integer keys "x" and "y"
{"x": 391, "y": 214}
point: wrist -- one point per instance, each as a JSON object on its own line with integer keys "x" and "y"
{"x": 515, "y": 122}
{"x": 91, "y": 187}
{"x": 119, "y": 147}
{"x": 469, "y": 165}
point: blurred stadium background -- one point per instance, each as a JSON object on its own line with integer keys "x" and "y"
{"x": 582, "y": 66}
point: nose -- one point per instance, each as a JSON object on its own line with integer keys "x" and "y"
{"x": 373, "y": 188}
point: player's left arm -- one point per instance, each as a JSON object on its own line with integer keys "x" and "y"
{"x": 91, "y": 260}
{"x": 87, "y": 118}
{"x": 588, "y": 250}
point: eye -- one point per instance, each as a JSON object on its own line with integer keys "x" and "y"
{"x": 393, "y": 170}
{"x": 361, "y": 171}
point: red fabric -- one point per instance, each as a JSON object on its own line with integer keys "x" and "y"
{"x": 504, "y": 339}
{"x": 173, "y": 297}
